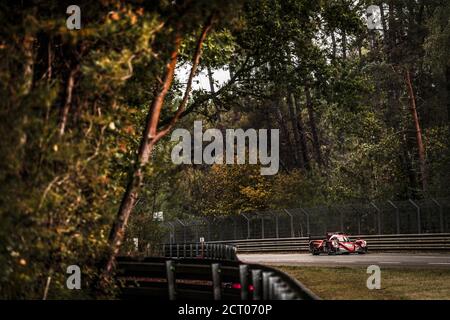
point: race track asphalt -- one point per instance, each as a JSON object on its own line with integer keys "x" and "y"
{"x": 421, "y": 260}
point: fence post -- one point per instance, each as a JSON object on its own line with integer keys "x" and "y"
{"x": 273, "y": 280}
{"x": 217, "y": 284}
{"x": 341, "y": 219}
{"x": 378, "y": 216}
{"x": 170, "y": 272}
{"x": 209, "y": 230}
{"x": 256, "y": 281}
{"x": 278, "y": 289}
{"x": 306, "y": 213}
{"x": 359, "y": 221}
{"x": 276, "y": 226}
{"x": 243, "y": 277}
{"x": 441, "y": 215}
{"x": 171, "y": 232}
{"x": 184, "y": 229}
{"x": 265, "y": 279}
{"x": 292, "y": 222}
{"x": 262, "y": 228}
{"x": 248, "y": 225}
{"x": 227, "y": 252}
{"x": 270, "y": 286}
{"x": 419, "y": 227}
{"x": 358, "y": 216}
{"x": 397, "y": 215}
{"x": 220, "y": 230}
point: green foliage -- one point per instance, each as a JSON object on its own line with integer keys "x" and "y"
{"x": 360, "y": 104}
{"x": 347, "y": 134}
{"x": 62, "y": 176}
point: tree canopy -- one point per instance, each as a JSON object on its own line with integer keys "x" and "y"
{"x": 86, "y": 117}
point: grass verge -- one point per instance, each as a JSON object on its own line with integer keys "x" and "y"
{"x": 396, "y": 283}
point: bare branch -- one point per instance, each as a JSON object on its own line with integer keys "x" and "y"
{"x": 195, "y": 62}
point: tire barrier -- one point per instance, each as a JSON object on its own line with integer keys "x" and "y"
{"x": 164, "y": 278}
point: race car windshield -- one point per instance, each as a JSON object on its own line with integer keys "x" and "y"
{"x": 342, "y": 239}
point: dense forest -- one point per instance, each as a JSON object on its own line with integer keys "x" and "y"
{"x": 87, "y": 114}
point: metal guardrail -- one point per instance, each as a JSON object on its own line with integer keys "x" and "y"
{"x": 200, "y": 250}
{"x": 205, "y": 279}
{"x": 393, "y": 242}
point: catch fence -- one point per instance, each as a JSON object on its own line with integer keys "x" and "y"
{"x": 378, "y": 217}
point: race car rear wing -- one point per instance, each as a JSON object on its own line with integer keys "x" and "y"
{"x": 314, "y": 237}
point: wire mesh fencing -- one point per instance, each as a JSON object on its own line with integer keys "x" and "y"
{"x": 377, "y": 217}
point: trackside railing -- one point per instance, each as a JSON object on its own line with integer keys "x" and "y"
{"x": 392, "y": 242}
{"x": 200, "y": 250}
{"x": 164, "y": 278}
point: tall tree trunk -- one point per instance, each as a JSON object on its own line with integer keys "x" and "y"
{"x": 384, "y": 25}
{"x": 333, "y": 44}
{"x": 392, "y": 30}
{"x": 360, "y": 46}
{"x": 447, "y": 80}
{"x": 212, "y": 90}
{"x": 407, "y": 166}
{"x": 301, "y": 130}
{"x": 68, "y": 100}
{"x": 284, "y": 128}
{"x": 211, "y": 80}
{"x": 312, "y": 124}
{"x": 149, "y": 138}
{"x": 393, "y": 94}
{"x": 293, "y": 119}
{"x": 49, "y": 58}
{"x": 420, "y": 146}
{"x": 28, "y": 66}
{"x": 344, "y": 45}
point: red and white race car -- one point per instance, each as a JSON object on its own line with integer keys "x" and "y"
{"x": 337, "y": 243}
